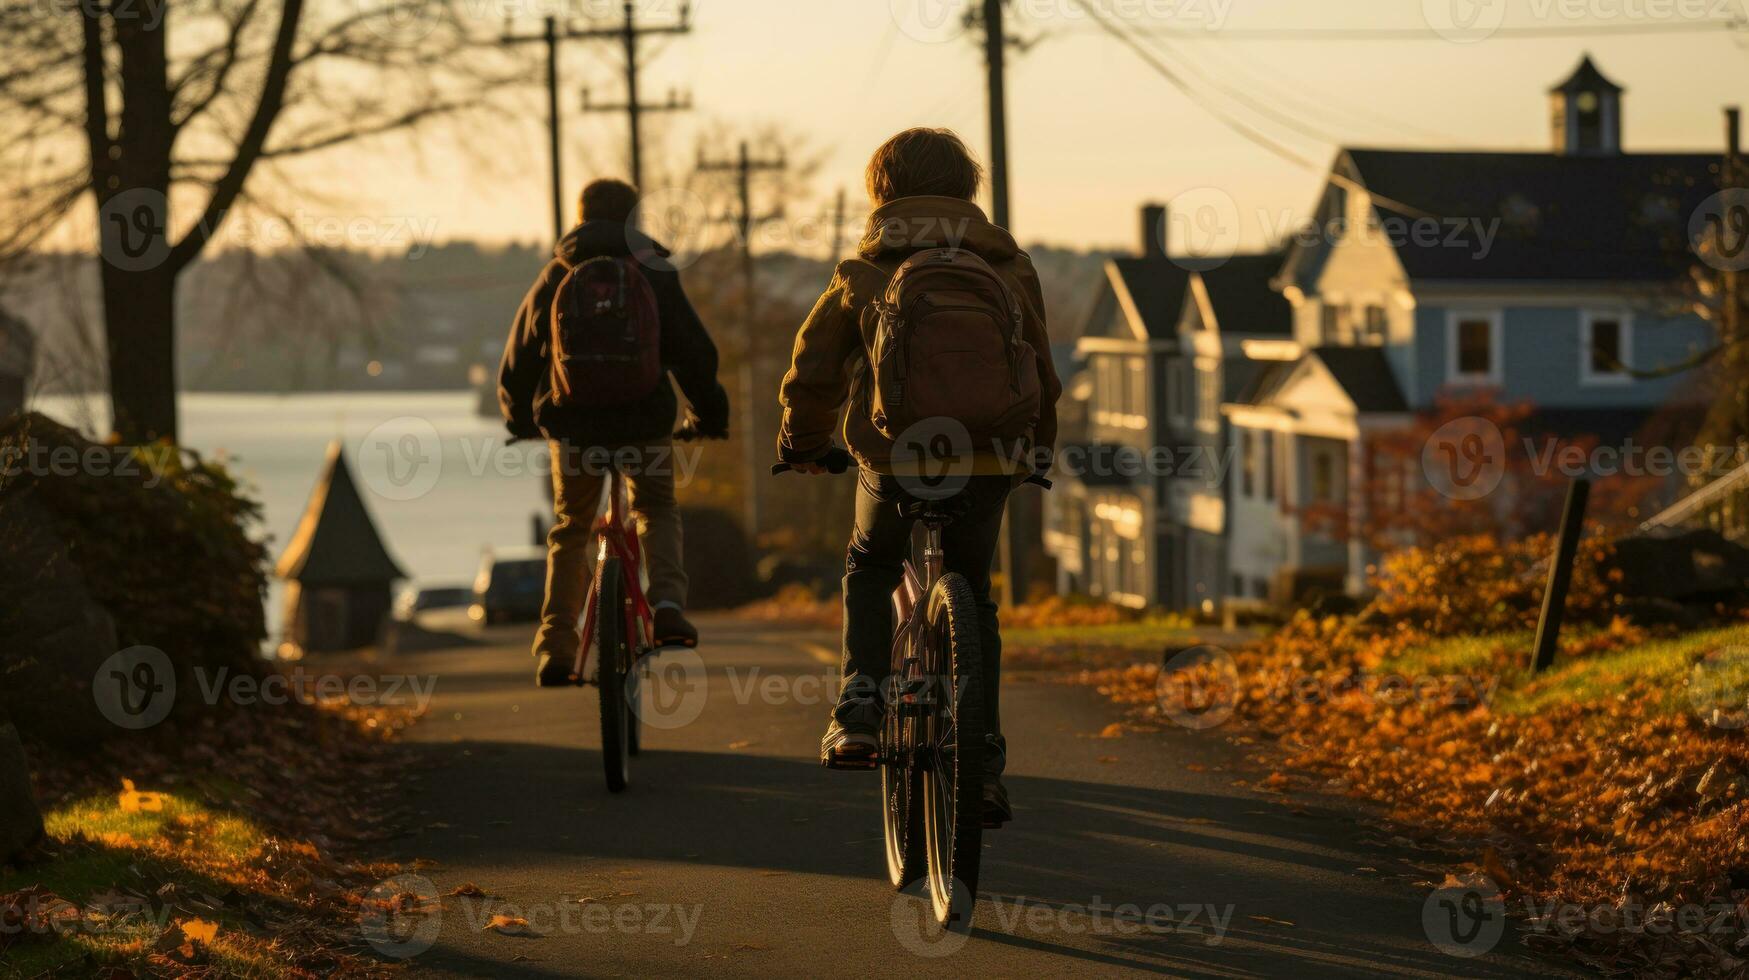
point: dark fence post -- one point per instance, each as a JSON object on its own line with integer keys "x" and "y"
{"x": 1548, "y": 626}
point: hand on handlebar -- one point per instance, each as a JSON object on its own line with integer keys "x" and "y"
{"x": 689, "y": 431}
{"x": 833, "y": 460}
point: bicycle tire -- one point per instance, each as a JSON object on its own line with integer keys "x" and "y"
{"x": 901, "y": 779}
{"x": 954, "y": 778}
{"x": 636, "y": 677}
{"x": 612, "y": 659}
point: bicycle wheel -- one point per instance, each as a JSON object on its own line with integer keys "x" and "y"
{"x": 636, "y": 679}
{"x": 952, "y": 734}
{"x": 612, "y": 658}
{"x": 901, "y": 779}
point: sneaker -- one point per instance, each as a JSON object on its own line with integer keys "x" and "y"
{"x": 554, "y": 672}
{"x": 673, "y": 629}
{"x": 852, "y": 739}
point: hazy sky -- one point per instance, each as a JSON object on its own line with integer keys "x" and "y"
{"x": 1093, "y": 130}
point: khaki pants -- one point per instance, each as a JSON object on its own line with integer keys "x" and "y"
{"x": 579, "y": 475}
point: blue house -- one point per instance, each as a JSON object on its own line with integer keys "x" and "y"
{"x": 1547, "y": 277}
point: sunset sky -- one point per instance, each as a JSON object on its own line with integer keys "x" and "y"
{"x": 1094, "y": 130}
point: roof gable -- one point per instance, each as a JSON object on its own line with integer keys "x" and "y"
{"x": 336, "y": 542}
{"x": 1151, "y": 291}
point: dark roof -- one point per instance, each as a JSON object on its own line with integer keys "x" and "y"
{"x": 1585, "y": 78}
{"x": 1260, "y": 380}
{"x": 1244, "y": 302}
{"x": 1365, "y": 374}
{"x": 1157, "y": 285}
{"x": 1610, "y": 217}
{"x": 336, "y": 542}
{"x": 1239, "y": 375}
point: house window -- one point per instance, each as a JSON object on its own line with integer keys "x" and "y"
{"x": 1136, "y": 399}
{"x": 1323, "y": 478}
{"x": 1473, "y": 347}
{"x": 1267, "y": 449}
{"x": 1247, "y": 464}
{"x": 1237, "y": 588}
{"x": 1330, "y": 324}
{"x": 1178, "y": 394}
{"x": 1208, "y": 390}
{"x": 1375, "y": 324}
{"x": 1605, "y": 347}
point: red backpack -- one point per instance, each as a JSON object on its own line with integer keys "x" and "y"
{"x": 607, "y": 336}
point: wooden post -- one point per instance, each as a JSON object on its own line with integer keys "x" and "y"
{"x": 1548, "y": 627}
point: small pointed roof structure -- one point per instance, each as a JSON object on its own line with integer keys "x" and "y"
{"x": 1586, "y": 78}
{"x": 336, "y": 542}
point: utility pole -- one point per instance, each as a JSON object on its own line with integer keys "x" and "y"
{"x": 550, "y": 37}
{"x": 628, "y": 34}
{"x": 743, "y": 167}
{"x": 1022, "y": 521}
{"x": 995, "y": 48}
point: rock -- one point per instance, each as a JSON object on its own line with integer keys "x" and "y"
{"x": 21, "y": 823}
{"x": 53, "y": 635}
{"x": 1698, "y": 565}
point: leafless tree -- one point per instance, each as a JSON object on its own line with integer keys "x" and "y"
{"x": 108, "y": 116}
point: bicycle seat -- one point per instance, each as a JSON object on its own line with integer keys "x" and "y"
{"x": 936, "y": 511}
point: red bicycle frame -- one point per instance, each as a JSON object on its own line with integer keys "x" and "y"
{"x": 619, "y": 539}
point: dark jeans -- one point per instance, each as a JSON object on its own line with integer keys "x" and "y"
{"x": 880, "y": 542}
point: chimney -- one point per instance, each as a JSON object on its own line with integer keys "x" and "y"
{"x": 1153, "y": 231}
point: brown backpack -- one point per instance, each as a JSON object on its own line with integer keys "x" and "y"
{"x": 948, "y": 344}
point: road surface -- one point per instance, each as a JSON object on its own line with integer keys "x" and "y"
{"x": 734, "y": 854}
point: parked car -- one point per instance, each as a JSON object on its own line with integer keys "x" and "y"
{"x": 415, "y": 599}
{"x": 510, "y": 585}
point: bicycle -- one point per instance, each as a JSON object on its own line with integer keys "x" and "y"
{"x": 624, "y": 643}
{"x": 932, "y": 739}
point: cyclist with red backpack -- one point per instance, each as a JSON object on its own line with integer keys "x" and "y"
{"x": 932, "y": 341}
{"x": 586, "y": 367}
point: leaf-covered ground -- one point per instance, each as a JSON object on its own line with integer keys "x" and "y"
{"x": 1607, "y": 798}
{"x": 231, "y": 846}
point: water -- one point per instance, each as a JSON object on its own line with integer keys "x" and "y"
{"x": 439, "y": 479}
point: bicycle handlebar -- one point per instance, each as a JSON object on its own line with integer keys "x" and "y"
{"x": 835, "y": 460}
{"x": 688, "y": 432}
{"x": 838, "y": 461}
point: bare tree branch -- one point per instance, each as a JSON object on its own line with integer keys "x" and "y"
{"x": 249, "y": 147}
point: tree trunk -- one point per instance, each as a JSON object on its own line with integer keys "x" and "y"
{"x": 139, "y": 318}
{"x": 131, "y": 177}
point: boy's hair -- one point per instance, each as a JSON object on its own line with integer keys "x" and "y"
{"x": 607, "y": 200}
{"x": 923, "y": 161}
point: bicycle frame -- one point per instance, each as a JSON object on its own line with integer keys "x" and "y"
{"x": 617, "y": 537}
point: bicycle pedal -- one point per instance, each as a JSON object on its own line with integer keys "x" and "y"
{"x": 855, "y": 763}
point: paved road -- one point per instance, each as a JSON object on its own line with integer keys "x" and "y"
{"x": 734, "y": 854}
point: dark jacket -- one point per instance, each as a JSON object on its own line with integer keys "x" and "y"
{"x": 830, "y": 365}
{"x": 525, "y": 378}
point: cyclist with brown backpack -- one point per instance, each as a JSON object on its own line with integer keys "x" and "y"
{"x": 586, "y": 367}
{"x": 932, "y": 341}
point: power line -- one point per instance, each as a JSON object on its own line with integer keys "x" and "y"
{"x": 1311, "y": 102}
{"x": 1323, "y": 34}
{"x": 1238, "y": 126}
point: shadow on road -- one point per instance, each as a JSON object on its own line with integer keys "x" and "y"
{"x": 1258, "y": 889}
